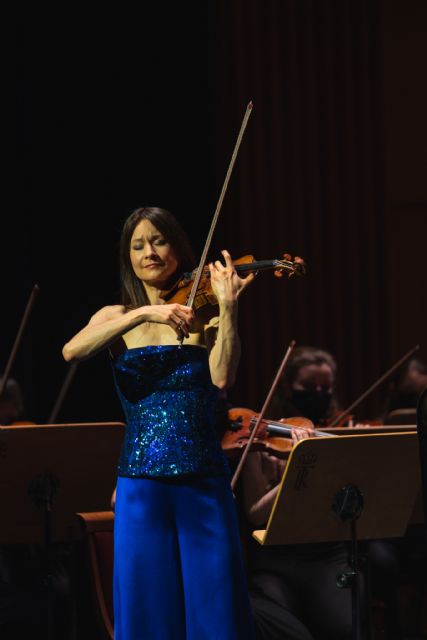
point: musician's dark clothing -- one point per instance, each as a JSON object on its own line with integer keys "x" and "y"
{"x": 294, "y": 594}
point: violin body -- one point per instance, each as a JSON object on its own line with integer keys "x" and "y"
{"x": 243, "y": 420}
{"x": 180, "y": 291}
{"x": 347, "y": 420}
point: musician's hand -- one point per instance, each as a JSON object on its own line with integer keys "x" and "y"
{"x": 177, "y": 316}
{"x": 225, "y": 282}
{"x": 300, "y": 433}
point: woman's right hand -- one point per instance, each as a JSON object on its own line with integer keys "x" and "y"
{"x": 109, "y": 323}
{"x": 177, "y": 316}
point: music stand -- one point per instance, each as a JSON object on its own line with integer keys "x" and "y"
{"x": 50, "y": 472}
{"x": 367, "y": 429}
{"x": 332, "y": 481}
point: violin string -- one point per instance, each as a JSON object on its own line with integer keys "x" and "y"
{"x": 287, "y": 428}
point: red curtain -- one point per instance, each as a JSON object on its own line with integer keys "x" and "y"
{"x": 310, "y": 180}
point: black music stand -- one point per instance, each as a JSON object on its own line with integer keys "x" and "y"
{"x": 331, "y": 482}
{"x": 48, "y": 473}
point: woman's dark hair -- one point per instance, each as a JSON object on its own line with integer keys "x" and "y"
{"x": 133, "y": 294}
{"x": 405, "y": 388}
{"x": 303, "y": 356}
{"x": 402, "y": 381}
{"x": 12, "y": 396}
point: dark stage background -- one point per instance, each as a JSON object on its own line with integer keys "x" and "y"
{"x": 115, "y": 111}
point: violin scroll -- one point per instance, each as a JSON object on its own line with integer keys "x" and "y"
{"x": 291, "y": 267}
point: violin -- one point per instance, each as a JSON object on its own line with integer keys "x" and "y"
{"x": 180, "y": 292}
{"x": 339, "y": 419}
{"x": 273, "y": 437}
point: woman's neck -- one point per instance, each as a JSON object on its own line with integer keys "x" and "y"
{"x": 153, "y": 294}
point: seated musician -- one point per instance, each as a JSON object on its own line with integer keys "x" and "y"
{"x": 404, "y": 391}
{"x": 19, "y": 602}
{"x": 11, "y": 404}
{"x": 293, "y": 587}
{"x": 406, "y": 556}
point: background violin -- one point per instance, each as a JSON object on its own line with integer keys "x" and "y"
{"x": 273, "y": 436}
{"x": 180, "y": 292}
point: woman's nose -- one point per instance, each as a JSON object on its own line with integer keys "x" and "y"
{"x": 148, "y": 249}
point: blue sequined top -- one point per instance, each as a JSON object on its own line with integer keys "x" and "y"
{"x": 169, "y": 402}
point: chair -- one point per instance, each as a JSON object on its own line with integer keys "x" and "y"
{"x": 98, "y": 529}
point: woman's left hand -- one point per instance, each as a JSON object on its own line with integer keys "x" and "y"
{"x": 300, "y": 433}
{"x": 226, "y": 284}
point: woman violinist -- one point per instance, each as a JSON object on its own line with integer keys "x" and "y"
{"x": 178, "y": 568}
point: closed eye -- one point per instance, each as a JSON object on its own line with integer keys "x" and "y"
{"x": 155, "y": 240}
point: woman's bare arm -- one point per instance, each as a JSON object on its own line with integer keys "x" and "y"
{"x": 221, "y": 335}
{"x": 110, "y": 323}
{"x": 258, "y": 502}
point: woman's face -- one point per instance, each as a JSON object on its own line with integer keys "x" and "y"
{"x": 153, "y": 259}
{"x": 311, "y": 391}
{"x": 314, "y": 377}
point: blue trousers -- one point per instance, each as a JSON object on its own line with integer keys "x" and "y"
{"x": 178, "y": 572}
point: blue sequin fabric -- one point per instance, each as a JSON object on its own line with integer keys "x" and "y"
{"x": 169, "y": 402}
